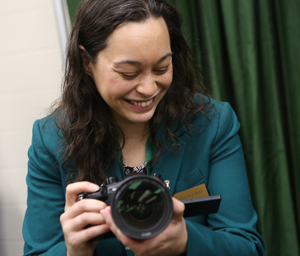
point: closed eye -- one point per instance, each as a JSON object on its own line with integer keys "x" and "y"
{"x": 161, "y": 71}
{"x": 128, "y": 76}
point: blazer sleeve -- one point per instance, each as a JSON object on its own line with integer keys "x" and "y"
{"x": 46, "y": 182}
{"x": 231, "y": 231}
{"x": 45, "y": 202}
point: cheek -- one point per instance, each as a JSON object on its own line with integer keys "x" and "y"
{"x": 118, "y": 87}
{"x": 110, "y": 86}
{"x": 168, "y": 78}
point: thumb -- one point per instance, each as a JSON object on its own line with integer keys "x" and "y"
{"x": 178, "y": 209}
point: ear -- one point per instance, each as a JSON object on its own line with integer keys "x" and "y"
{"x": 86, "y": 62}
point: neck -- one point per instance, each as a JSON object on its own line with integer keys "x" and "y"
{"x": 135, "y": 132}
{"x": 133, "y": 151}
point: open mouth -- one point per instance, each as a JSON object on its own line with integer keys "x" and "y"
{"x": 141, "y": 103}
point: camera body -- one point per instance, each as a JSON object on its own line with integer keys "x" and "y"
{"x": 141, "y": 205}
{"x": 106, "y": 191}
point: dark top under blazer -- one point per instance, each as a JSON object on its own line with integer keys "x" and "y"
{"x": 212, "y": 154}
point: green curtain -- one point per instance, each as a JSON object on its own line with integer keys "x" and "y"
{"x": 250, "y": 52}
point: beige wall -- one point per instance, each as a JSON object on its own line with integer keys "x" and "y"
{"x": 30, "y": 77}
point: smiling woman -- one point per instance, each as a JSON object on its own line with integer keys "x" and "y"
{"x": 132, "y": 77}
{"x": 130, "y": 105}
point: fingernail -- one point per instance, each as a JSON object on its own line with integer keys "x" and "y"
{"x": 94, "y": 187}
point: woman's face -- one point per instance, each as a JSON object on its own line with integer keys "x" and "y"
{"x": 134, "y": 71}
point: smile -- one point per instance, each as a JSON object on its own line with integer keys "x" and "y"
{"x": 141, "y": 104}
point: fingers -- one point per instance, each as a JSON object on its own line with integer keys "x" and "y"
{"x": 87, "y": 219}
{"x": 106, "y": 213}
{"x": 74, "y": 189}
{"x": 82, "y": 214}
{"x": 79, "y": 230}
{"x": 85, "y": 205}
{"x": 78, "y": 218}
{"x": 82, "y": 221}
{"x": 178, "y": 209}
{"x": 76, "y": 239}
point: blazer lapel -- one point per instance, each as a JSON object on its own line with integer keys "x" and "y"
{"x": 114, "y": 171}
{"x": 168, "y": 164}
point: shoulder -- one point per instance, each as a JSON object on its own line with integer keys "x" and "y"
{"x": 46, "y": 135}
{"x": 212, "y": 105}
{"x": 46, "y": 127}
{"x": 217, "y": 115}
{"x": 45, "y": 124}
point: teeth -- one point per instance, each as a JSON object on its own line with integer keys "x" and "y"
{"x": 142, "y": 104}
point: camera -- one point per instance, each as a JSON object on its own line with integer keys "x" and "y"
{"x": 141, "y": 205}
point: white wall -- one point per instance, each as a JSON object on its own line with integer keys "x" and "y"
{"x": 30, "y": 78}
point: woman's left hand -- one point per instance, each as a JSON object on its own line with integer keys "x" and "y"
{"x": 172, "y": 241}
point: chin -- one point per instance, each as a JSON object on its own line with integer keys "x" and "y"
{"x": 141, "y": 120}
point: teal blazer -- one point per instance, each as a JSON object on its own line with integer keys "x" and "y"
{"x": 211, "y": 154}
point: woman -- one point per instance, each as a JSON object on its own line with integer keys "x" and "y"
{"x": 130, "y": 93}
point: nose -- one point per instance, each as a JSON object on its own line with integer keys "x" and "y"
{"x": 147, "y": 86}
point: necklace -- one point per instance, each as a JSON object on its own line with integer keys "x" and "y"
{"x": 134, "y": 170}
{"x": 149, "y": 146}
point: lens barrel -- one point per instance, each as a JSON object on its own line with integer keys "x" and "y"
{"x": 142, "y": 206}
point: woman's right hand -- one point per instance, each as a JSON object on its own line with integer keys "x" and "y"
{"x": 78, "y": 215}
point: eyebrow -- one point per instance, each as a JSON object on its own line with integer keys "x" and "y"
{"x": 137, "y": 63}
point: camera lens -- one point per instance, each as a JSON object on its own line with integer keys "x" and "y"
{"x": 142, "y": 207}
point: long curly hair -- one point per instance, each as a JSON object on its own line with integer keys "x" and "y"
{"x": 85, "y": 120}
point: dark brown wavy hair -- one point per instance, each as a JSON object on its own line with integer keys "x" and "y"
{"x": 84, "y": 118}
